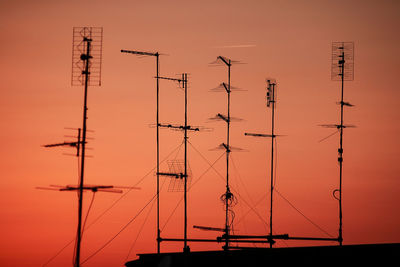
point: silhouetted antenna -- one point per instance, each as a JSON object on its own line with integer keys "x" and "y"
{"x": 227, "y": 197}
{"x": 271, "y": 92}
{"x": 178, "y": 176}
{"x": 86, "y": 70}
{"x": 75, "y": 144}
{"x": 157, "y": 56}
{"x": 179, "y": 127}
{"x": 270, "y": 99}
{"x": 81, "y": 37}
{"x": 223, "y": 146}
{"x": 223, "y": 87}
{"x": 223, "y": 117}
{"x": 222, "y": 61}
{"x": 93, "y": 188}
{"x": 342, "y": 69}
{"x": 179, "y": 170}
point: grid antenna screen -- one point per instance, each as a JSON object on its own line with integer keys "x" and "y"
{"x": 342, "y": 61}
{"x": 81, "y": 37}
{"x": 177, "y": 183}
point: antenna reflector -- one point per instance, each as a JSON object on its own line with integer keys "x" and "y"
{"x": 85, "y": 38}
{"x": 342, "y": 61}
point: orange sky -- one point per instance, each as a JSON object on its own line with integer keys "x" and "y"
{"x": 286, "y": 40}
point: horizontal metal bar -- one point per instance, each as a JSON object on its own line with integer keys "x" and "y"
{"x": 259, "y": 135}
{"x": 139, "y": 53}
{"x": 171, "y": 79}
{"x": 313, "y": 238}
{"x": 177, "y": 175}
{"x": 189, "y": 240}
{"x": 207, "y": 228}
{"x": 250, "y": 241}
{"x": 181, "y": 127}
{"x": 284, "y": 236}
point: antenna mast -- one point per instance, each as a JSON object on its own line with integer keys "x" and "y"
{"x": 271, "y": 86}
{"x": 157, "y": 56}
{"x": 342, "y": 70}
{"x": 227, "y": 197}
{"x": 271, "y": 99}
{"x": 174, "y": 174}
{"x": 86, "y": 58}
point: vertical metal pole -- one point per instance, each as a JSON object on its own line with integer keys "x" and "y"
{"x": 228, "y": 194}
{"x": 272, "y": 158}
{"x": 80, "y": 196}
{"x": 158, "y": 156}
{"x": 340, "y": 159}
{"x": 78, "y": 146}
{"x": 184, "y": 79}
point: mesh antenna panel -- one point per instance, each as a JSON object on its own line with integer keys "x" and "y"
{"x": 342, "y": 61}
{"x": 270, "y": 97}
{"x": 177, "y": 182}
{"x": 81, "y": 37}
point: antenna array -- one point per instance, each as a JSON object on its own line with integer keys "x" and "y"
{"x": 228, "y": 197}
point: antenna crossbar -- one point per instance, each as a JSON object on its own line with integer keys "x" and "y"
{"x": 143, "y": 53}
{"x": 73, "y": 144}
{"x": 170, "y": 79}
{"x": 261, "y": 135}
{"x": 176, "y": 175}
{"x": 225, "y": 60}
{"x": 180, "y": 127}
{"x": 208, "y": 228}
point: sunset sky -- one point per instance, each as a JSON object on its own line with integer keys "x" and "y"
{"x": 289, "y": 41}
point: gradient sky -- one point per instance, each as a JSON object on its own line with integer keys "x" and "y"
{"x": 286, "y": 40}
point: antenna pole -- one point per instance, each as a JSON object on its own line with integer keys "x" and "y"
{"x": 158, "y": 154}
{"x": 228, "y": 193}
{"x": 270, "y": 99}
{"x": 86, "y": 72}
{"x": 157, "y": 55}
{"x": 185, "y": 247}
{"x": 340, "y": 159}
{"x": 342, "y": 53}
{"x": 272, "y": 157}
{"x": 183, "y": 175}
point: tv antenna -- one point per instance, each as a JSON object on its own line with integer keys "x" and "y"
{"x": 175, "y": 167}
{"x": 86, "y": 70}
{"x": 228, "y": 198}
{"x": 157, "y": 56}
{"x": 342, "y": 69}
{"x": 270, "y": 99}
{"x": 76, "y": 144}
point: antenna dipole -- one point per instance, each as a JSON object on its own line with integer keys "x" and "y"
{"x": 343, "y": 70}
{"x": 157, "y": 56}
